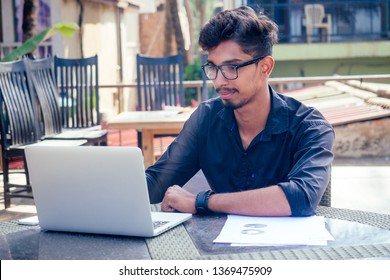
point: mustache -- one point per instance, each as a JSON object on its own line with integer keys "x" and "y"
{"x": 226, "y": 89}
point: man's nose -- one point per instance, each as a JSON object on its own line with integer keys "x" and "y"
{"x": 220, "y": 80}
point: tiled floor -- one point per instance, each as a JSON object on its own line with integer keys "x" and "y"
{"x": 362, "y": 184}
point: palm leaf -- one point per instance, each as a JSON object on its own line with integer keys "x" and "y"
{"x": 65, "y": 29}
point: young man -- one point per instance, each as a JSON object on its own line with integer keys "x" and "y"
{"x": 263, "y": 154}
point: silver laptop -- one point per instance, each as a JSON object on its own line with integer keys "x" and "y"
{"x": 94, "y": 189}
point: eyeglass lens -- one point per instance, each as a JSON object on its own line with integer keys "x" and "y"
{"x": 228, "y": 71}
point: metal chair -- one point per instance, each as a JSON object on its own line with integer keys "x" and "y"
{"x": 77, "y": 80}
{"x": 326, "y": 199}
{"x": 159, "y": 84}
{"x": 315, "y": 16}
{"x": 19, "y": 125}
{"x": 41, "y": 79}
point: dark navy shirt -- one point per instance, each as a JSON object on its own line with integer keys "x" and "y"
{"x": 294, "y": 151}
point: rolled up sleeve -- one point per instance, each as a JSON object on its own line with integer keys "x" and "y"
{"x": 310, "y": 175}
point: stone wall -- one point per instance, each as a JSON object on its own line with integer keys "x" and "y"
{"x": 152, "y": 34}
{"x": 363, "y": 139}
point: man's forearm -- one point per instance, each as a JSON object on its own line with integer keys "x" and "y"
{"x": 270, "y": 201}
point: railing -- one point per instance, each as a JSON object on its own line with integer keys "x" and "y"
{"x": 44, "y": 49}
{"x": 352, "y": 20}
{"x": 279, "y": 83}
{"x": 196, "y": 84}
{"x": 6, "y": 48}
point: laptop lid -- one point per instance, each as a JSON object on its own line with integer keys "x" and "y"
{"x": 93, "y": 189}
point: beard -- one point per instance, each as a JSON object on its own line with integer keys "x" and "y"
{"x": 233, "y": 105}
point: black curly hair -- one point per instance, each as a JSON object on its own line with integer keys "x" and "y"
{"x": 255, "y": 33}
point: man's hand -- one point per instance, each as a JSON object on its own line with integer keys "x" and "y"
{"x": 178, "y": 199}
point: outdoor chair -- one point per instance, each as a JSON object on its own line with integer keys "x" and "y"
{"x": 77, "y": 81}
{"x": 159, "y": 84}
{"x": 326, "y": 199}
{"x": 41, "y": 79}
{"x": 19, "y": 126}
{"x": 316, "y": 18}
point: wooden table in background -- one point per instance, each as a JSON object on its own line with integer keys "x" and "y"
{"x": 150, "y": 123}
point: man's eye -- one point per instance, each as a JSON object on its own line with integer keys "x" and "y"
{"x": 229, "y": 68}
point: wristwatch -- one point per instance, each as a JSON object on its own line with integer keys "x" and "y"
{"x": 201, "y": 202}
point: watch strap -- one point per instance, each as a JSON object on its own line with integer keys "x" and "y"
{"x": 201, "y": 202}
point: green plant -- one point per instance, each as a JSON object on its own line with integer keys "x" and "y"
{"x": 64, "y": 28}
{"x": 192, "y": 72}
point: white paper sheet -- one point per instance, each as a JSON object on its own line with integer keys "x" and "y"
{"x": 30, "y": 221}
{"x": 274, "y": 231}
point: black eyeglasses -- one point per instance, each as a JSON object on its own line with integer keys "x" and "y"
{"x": 229, "y": 71}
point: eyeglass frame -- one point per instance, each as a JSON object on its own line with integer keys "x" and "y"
{"x": 236, "y": 67}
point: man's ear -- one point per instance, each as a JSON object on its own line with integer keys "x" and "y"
{"x": 267, "y": 65}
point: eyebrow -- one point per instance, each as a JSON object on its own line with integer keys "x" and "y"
{"x": 232, "y": 61}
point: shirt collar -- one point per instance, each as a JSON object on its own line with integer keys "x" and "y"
{"x": 278, "y": 118}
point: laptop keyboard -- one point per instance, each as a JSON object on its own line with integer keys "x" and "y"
{"x": 157, "y": 224}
